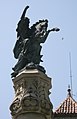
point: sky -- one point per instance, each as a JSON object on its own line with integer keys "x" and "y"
{"x": 61, "y": 14}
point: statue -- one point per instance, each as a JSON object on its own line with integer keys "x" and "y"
{"x": 28, "y": 45}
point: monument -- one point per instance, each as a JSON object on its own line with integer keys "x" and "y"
{"x": 31, "y": 84}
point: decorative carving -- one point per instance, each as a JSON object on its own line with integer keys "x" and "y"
{"x": 31, "y": 95}
{"x": 44, "y": 102}
{"x": 30, "y": 103}
{"x": 16, "y": 106}
{"x": 19, "y": 88}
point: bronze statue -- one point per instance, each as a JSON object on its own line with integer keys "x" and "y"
{"x": 28, "y": 45}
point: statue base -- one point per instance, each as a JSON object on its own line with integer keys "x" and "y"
{"x": 31, "y": 95}
{"x": 30, "y": 66}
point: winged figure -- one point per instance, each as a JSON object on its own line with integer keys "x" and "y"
{"x": 28, "y": 45}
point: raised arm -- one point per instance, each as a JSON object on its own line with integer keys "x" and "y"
{"x": 24, "y": 12}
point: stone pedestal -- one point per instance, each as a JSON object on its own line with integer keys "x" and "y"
{"x": 31, "y": 96}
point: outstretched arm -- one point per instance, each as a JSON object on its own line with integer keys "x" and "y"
{"x": 54, "y": 29}
{"x": 45, "y": 35}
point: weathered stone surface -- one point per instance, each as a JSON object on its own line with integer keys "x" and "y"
{"x": 31, "y": 116}
{"x": 31, "y": 94}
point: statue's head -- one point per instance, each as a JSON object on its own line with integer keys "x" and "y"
{"x": 43, "y": 22}
{"x": 41, "y": 25}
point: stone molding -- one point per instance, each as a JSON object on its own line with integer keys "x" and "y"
{"x": 31, "y": 93}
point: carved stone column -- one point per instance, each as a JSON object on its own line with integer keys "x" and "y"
{"x": 31, "y": 96}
